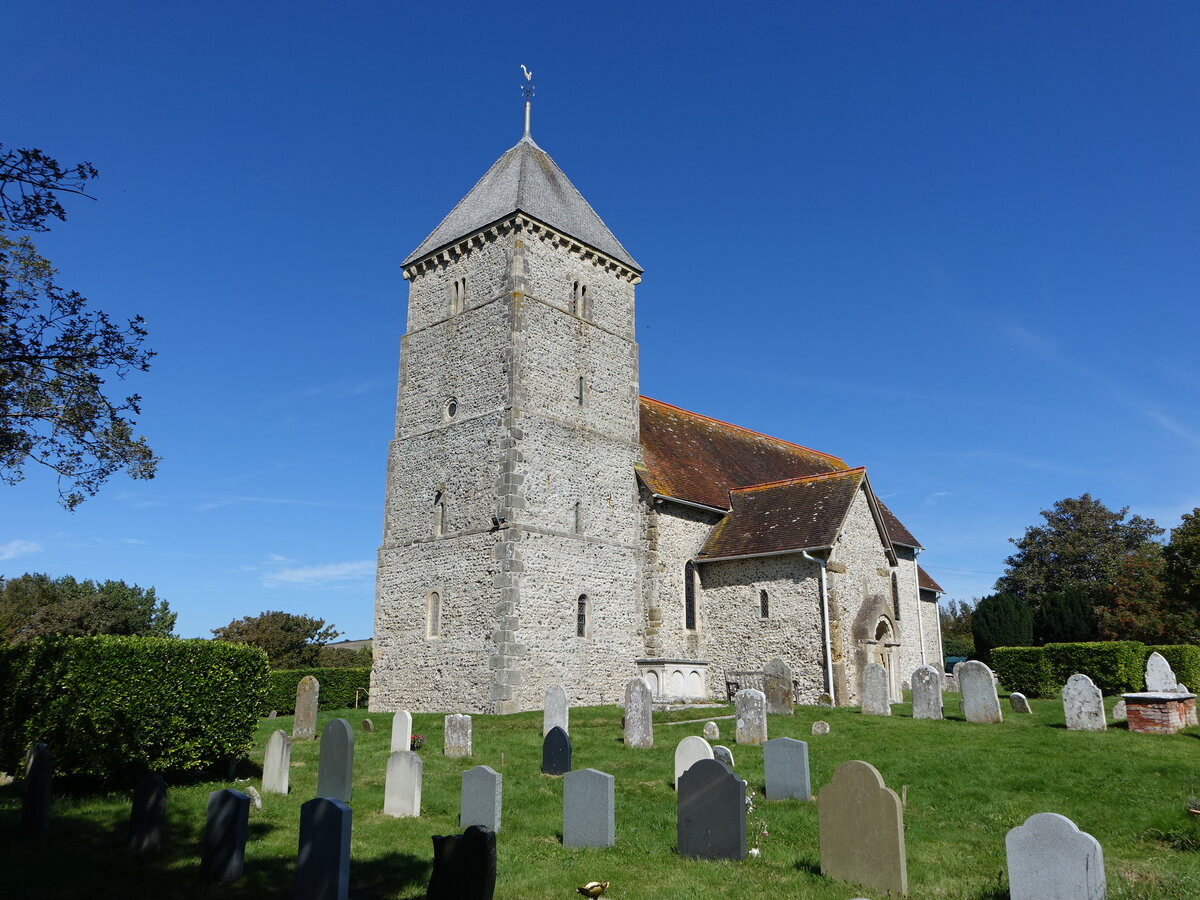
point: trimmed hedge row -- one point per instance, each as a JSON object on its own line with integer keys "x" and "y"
{"x": 339, "y": 688}
{"x": 1184, "y": 660}
{"x": 114, "y": 706}
{"x": 1116, "y": 667}
{"x": 1024, "y": 669}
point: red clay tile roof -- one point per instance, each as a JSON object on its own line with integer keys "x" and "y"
{"x": 798, "y": 514}
{"x": 896, "y": 530}
{"x": 925, "y": 583}
{"x": 692, "y": 457}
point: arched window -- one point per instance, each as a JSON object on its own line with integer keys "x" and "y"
{"x": 573, "y": 306}
{"x": 433, "y": 614}
{"x": 578, "y": 525}
{"x": 458, "y": 296}
{"x": 581, "y": 389}
{"x": 689, "y": 596}
{"x": 764, "y": 607}
{"x": 439, "y": 514}
{"x": 584, "y": 310}
{"x": 896, "y": 596}
{"x": 581, "y": 616}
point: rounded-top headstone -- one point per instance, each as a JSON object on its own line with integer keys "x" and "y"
{"x": 926, "y": 693}
{"x": 688, "y": 752}
{"x": 820, "y": 727}
{"x": 402, "y": 731}
{"x": 1160, "y": 678}
{"x": 711, "y": 732}
{"x": 875, "y": 699}
{"x": 1049, "y": 858}
{"x": 751, "y": 708}
{"x": 1083, "y": 705}
{"x": 556, "y": 710}
{"x": 1019, "y": 703}
{"x": 777, "y": 686}
{"x": 639, "y": 714}
{"x": 977, "y": 684}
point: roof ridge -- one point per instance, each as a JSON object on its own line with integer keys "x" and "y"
{"x": 857, "y": 470}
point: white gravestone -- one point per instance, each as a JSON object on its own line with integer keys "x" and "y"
{"x": 875, "y": 701}
{"x": 457, "y": 740}
{"x": 927, "y": 693}
{"x": 402, "y": 789}
{"x": 402, "y": 731}
{"x": 689, "y": 751}
{"x": 711, "y": 732}
{"x": 1019, "y": 703}
{"x": 639, "y": 714}
{"x": 556, "y": 711}
{"x": 1049, "y": 858}
{"x": 1160, "y": 678}
{"x": 277, "y": 762}
{"x": 1083, "y": 705}
{"x": 1119, "y": 714}
{"x": 751, "y": 708}
{"x": 980, "y": 703}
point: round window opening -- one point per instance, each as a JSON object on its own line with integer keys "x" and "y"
{"x": 451, "y": 408}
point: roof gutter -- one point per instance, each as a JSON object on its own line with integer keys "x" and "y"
{"x": 802, "y": 551}
{"x": 820, "y": 563}
{"x": 716, "y": 509}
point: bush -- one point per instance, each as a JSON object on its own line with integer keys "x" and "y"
{"x": 1001, "y": 620}
{"x": 114, "y": 707}
{"x": 1116, "y": 667}
{"x": 1185, "y": 663}
{"x": 339, "y": 688}
{"x": 1024, "y": 669}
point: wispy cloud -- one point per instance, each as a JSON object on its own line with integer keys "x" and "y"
{"x": 13, "y": 549}
{"x": 933, "y": 498}
{"x": 231, "y": 501}
{"x": 313, "y": 576}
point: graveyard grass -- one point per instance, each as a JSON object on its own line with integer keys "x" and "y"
{"x": 967, "y": 785}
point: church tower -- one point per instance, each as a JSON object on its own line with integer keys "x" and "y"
{"x": 510, "y": 555}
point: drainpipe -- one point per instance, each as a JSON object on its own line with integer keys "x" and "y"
{"x": 920, "y": 621}
{"x": 820, "y": 563}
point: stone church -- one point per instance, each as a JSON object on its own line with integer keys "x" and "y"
{"x": 545, "y": 523}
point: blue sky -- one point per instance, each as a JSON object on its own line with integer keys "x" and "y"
{"x": 953, "y": 242}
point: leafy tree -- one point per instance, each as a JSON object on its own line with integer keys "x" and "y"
{"x": 1182, "y": 568}
{"x": 33, "y": 605}
{"x": 957, "y": 637}
{"x": 1001, "y": 620}
{"x": 1065, "y": 616}
{"x": 291, "y": 641}
{"x": 344, "y": 658}
{"x": 55, "y": 352}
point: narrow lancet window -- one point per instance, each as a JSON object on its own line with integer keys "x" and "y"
{"x": 896, "y": 596}
{"x": 439, "y": 514}
{"x": 433, "y": 615}
{"x": 764, "y": 605}
{"x": 581, "y": 389}
{"x": 581, "y": 616}
{"x": 689, "y": 596}
{"x": 578, "y": 523}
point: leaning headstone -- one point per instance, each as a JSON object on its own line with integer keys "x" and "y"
{"x": 368, "y": 725}
{"x": 1049, "y": 858}
{"x": 402, "y": 731}
{"x": 688, "y": 752}
{"x": 277, "y": 763}
{"x": 711, "y": 732}
{"x": 1160, "y": 679}
{"x": 825, "y": 699}
{"x": 1019, "y": 703}
{"x": 255, "y": 797}
{"x": 723, "y": 754}
{"x": 556, "y": 710}
{"x": 588, "y": 809}
{"x": 980, "y": 703}
{"x": 226, "y": 825}
{"x": 402, "y": 788}
{"x": 926, "y": 693}
{"x": 304, "y": 725}
{"x": 957, "y": 668}
{"x": 1083, "y": 705}
{"x": 777, "y": 686}
{"x": 751, "y": 708}
{"x": 335, "y": 772}
{"x": 639, "y": 714}
{"x": 36, "y": 791}
{"x": 861, "y": 826}
{"x": 479, "y": 805}
{"x": 785, "y": 766}
{"x": 464, "y": 866}
{"x": 875, "y": 699}
{"x": 457, "y": 736}
{"x": 148, "y": 815}
{"x": 1118, "y": 713}
{"x": 820, "y": 727}
{"x": 711, "y": 812}
{"x": 323, "y": 861}
{"x": 556, "y": 752}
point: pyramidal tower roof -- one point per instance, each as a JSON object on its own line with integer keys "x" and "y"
{"x": 525, "y": 180}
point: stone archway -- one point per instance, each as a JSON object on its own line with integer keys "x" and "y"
{"x": 885, "y": 655}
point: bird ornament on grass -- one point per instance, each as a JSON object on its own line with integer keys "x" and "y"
{"x": 593, "y": 889}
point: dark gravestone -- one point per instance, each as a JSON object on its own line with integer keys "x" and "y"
{"x": 323, "y": 861}
{"x": 711, "y": 812}
{"x": 148, "y": 817}
{"x": 777, "y": 685}
{"x": 35, "y": 793}
{"x": 464, "y": 866}
{"x": 335, "y": 772}
{"x": 556, "y": 752}
{"x": 226, "y": 824}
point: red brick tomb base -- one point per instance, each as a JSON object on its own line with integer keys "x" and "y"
{"x": 1159, "y": 713}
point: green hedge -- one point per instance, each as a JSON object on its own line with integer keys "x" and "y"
{"x": 1116, "y": 667}
{"x": 114, "y": 706}
{"x": 1024, "y": 669}
{"x": 1184, "y": 660}
{"x": 338, "y": 688}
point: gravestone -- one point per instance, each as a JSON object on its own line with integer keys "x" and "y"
{"x": 639, "y": 714}
{"x": 480, "y": 799}
{"x": 785, "y": 766}
{"x": 368, "y": 725}
{"x": 926, "y": 693}
{"x": 825, "y": 699}
{"x": 304, "y": 725}
{"x": 954, "y": 671}
{"x": 588, "y": 809}
{"x": 335, "y": 771}
{"x": 464, "y": 866}
{"x": 148, "y": 815}
{"x": 457, "y": 736}
{"x": 980, "y": 703}
{"x": 1019, "y": 703}
{"x": 277, "y": 763}
{"x": 777, "y": 686}
{"x": 36, "y": 791}
{"x": 861, "y": 827}
{"x": 723, "y": 754}
{"x": 688, "y": 752}
{"x": 751, "y": 708}
{"x": 402, "y": 788}
{"x": 820, "y": 727}
{"x": 323, "y": 860}
{"x": 1049, "y": 858}
{"x": 711, "y": 812}
{"x": 711, "y": 732}
{"x": 273, "y": 714}
{"x": 226, "y": 825}
{"x": 1118, "y": 713}
{"x": 875, "y": 699}
{"x": 254, "y": 795}
{"x": 556, "y": 752}
{"x": 402, "y": 731}
{"x": 1083, "y": 705}
{"x": 1160, "y": 678}
{"x": 556, "y": 710}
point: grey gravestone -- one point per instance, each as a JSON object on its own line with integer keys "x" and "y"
{"x": 723, "y": 754}
{"x": 588, "y": 809}
{"x": 1083, "y": 705}
{"x": 820, "y": 727}
{"x": 479, "y": 805}
{"x": 335, "y": 772}
{"x": 556, "y": 752}
{"x": 226, "y": 825}
{"x": 875, "y": 700}
{"x": 277, "y": 763}
{"x": 785, "y": 766}
{"x": 1019, "y": 703}
{"x": 272, "y": 714}
{"x": 954, "y": 672}
{"x": 464, "y": 866}
{"x": 368, "y": 725}
{"x": 639, "y": 714}
{"x": 777, "y": 685}
{"x": 402, "y": 789}
{"x": 980, "y": 703}
{"x": 861, "y": 828}
{"x": 457, "y": 736}
{"x": 825, "y": 699}
{"x": 688, "y": 752}
{"x": 1160, "y": 678}
{"x": 254, "y": 795}
{"x": 304, "y": 726}
{"x": 710, "y": 732}
{"x": 148, "y": 815}
{"x": 1119, "y": 714}
{"x": 556, "y": 710}
{"x": 1049, "y": 858}
{"x": 751, "y": 708}
{"x": 402, "y": 731}
{"x": 711, "y": 812}
{"x": 323, "y": 861}
{"x": 926, "y": 693}
{"x": 36, "y": 791}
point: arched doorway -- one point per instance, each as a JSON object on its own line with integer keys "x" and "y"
{"x": 885, "y": 655}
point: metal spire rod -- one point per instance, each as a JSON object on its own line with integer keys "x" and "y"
{"x": 527, "y": 91}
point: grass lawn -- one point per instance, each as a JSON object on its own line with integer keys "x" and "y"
{"x": 966, "y": 786}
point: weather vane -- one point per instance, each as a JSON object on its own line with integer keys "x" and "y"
{"x": 527, "y": 91}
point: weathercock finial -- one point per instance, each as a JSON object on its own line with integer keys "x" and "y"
{"x": 527, "y": 91}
